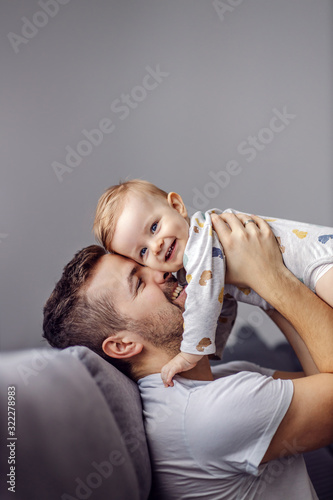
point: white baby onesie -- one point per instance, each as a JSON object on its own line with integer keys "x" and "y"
{"x": 307, "y": 251}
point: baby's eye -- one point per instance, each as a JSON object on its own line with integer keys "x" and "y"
{"x": 143, "y": 251}
{"x": 153, "y": 227}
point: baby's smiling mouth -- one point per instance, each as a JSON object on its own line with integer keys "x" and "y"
{"x": 169, "y": 252}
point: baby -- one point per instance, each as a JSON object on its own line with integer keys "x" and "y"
{"x": 140, "y": 221}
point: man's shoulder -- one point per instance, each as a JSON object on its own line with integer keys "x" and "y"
{"x": 235, "y": 412}
{"x": 240, "y": 385}
{"x": 224, "y": 369}
{"x": 230, "y": 379}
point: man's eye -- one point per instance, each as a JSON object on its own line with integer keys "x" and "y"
{"x": 139, "y": 283}
{"x": 153, "y": 227}
{"x": 143, "y": 251}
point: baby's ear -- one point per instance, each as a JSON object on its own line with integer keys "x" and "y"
{"x": 175, "y": 201}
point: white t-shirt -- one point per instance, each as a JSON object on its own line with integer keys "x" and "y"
{"x": 207, "y": 438}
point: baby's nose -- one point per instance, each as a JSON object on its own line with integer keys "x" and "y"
{"x": 157, "y": 245}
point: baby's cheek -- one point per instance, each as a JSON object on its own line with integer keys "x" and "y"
{"x": 178, "y": 267}
{"x": 182, "y": 253}
{"x": 178, "y": 262}
{"x": 128, "y": 255}
{"x": 156, "y": 265}
{"x": 174, "y": 267}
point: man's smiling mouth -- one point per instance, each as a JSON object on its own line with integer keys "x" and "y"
{"x": 169, "y": 252}
{"x": 177, "y": 292}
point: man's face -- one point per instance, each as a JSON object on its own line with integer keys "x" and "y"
{"x": 148, "y": 297}
{"x": 151, "y": 232}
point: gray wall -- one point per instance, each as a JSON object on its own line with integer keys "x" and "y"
{"x": 223, "y": 75}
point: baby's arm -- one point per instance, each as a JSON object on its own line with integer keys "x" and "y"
{"x": 180, "y": 363}
{"x": 204, "y": 262}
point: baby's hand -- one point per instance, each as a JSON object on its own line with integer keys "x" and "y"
{"x": 180, "y": 363}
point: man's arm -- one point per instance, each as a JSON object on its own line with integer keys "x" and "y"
{"x": 311, "y": 317}
{"x": 324, "y": 287}
{"x": 308, "y": 423}
{"x": 253, "y": 259}
{"x": 300, "y": 349}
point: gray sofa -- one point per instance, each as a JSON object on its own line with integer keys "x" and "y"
{"x": 79, "y": 425}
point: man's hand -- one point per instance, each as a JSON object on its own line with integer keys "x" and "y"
{"x": 252, "y": 253}
{"x": 254, "y": 260}
{"x": 180, "y": 363}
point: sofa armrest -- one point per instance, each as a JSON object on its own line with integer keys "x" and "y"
{"x": 68, "y": 443}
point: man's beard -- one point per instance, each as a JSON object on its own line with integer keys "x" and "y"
{"x": 164, "y": 328}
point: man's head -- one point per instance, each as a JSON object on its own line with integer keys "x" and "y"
{"x": 140, "y": 221}
{"x": 118, "y": 309}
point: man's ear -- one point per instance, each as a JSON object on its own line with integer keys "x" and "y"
{"x": 121, "y": 347}
{"x": 175, "y": 201}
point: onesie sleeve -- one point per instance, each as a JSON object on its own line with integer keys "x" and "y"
{"x": 257, "y": 404}
{"x": 248, "y": 296}
{"x": 205, "y": 272}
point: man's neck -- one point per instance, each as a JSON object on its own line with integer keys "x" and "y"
{"x": 202, "y": 371}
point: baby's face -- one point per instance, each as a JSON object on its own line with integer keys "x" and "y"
{"x": 152, "y": 232}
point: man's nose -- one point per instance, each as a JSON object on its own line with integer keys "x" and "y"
{"x": 160, "y": 277}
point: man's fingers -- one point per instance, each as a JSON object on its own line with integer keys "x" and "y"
{"x": 261, "y": 223}
{"x": 248, "y": 222}
{"x": 219, "y": 224}
{"x": 228, "y": 222}
{"x": 233, "y": 221}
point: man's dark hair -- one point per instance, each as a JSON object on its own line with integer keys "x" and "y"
{"x": 72, "y": 318}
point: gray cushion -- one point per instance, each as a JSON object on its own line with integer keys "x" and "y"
{"x": 122, "y": 396}
{"x": 69, "y": 444}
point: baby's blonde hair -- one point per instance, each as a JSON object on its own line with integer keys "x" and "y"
{"x": 111, "y": 204}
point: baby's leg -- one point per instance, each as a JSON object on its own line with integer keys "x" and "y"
{"x": 324, "y": 287}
